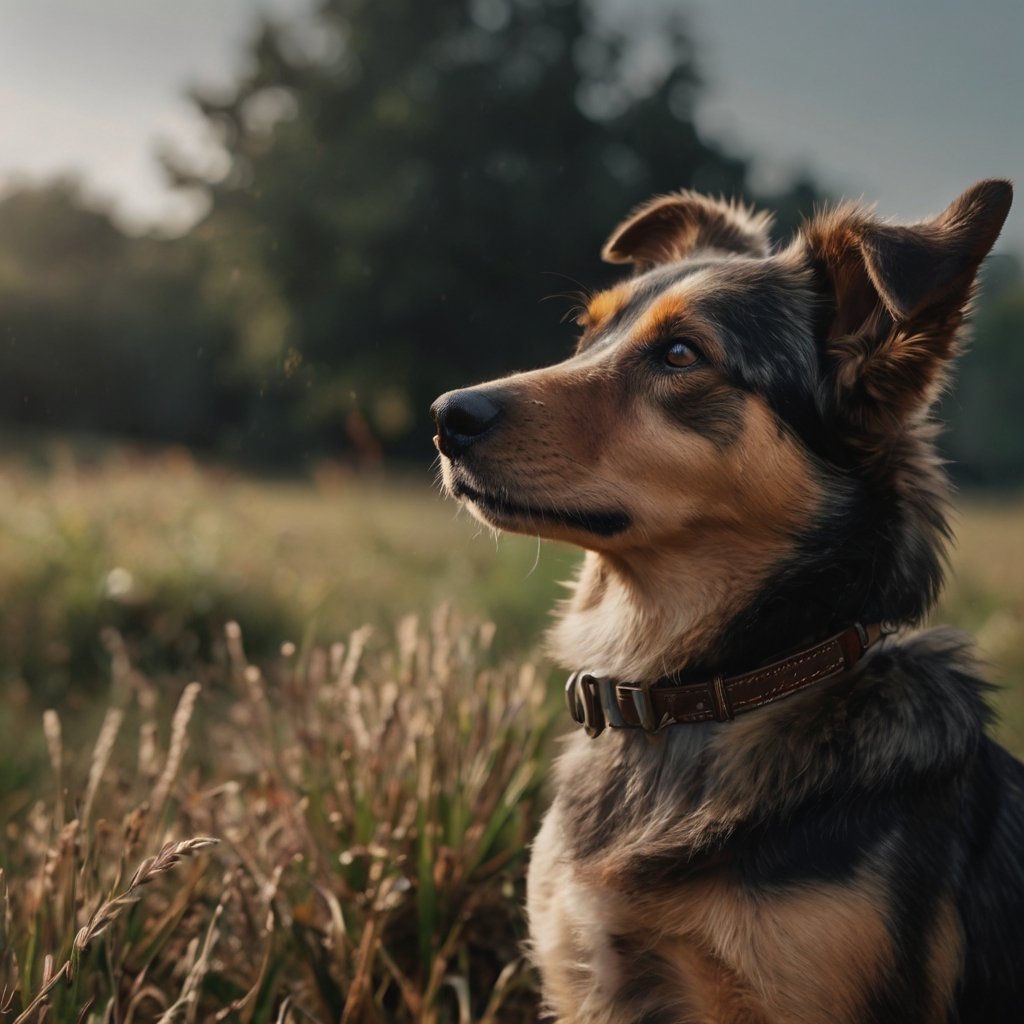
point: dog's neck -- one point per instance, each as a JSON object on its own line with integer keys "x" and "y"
{"x": 736, "y": 599}
{"x": 644, "y": 618}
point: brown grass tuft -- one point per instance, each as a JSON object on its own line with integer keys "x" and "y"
{"x": 338, "y": 835}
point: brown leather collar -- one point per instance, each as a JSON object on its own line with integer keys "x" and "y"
{"x": 595, "y": 702}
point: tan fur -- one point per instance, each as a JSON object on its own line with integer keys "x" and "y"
{"x": 945, "y": 957}
{"x": 709, "y": 948}
{"x": 663, "y": 311}
{"x": 809, "y": 953}
{"x": 715, "y": 545}
{"x": 711, "y": 991}
{"x": 603, "y": 306}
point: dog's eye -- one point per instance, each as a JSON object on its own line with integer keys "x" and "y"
{"x": 681, "y": 355}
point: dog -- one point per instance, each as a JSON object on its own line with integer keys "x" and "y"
{"x": 783, "y": 805}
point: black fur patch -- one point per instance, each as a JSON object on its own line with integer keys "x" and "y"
{"x": 989, "y": 897}
{"x": 715, "y": 412}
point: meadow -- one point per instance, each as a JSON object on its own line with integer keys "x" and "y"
{"x": 273, "y": 750}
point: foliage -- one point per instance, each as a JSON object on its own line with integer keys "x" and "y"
{"x": 395, "y": 193}
{"x": 345, "y": 842}
{"x": 400, "y": 183}
{"x": 403, "y": 182}
{"x": 986, "y": 440}
{"x": 99, "y": 331}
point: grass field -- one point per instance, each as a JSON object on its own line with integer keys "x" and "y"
{"x": 197, "y": 636}
{"x": 166, "y": 553}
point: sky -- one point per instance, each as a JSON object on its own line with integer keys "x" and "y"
{"x": 904, "y": 104}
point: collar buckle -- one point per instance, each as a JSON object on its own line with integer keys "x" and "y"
{"x": 593, "y": 703}
{"x": 583, "y": 701}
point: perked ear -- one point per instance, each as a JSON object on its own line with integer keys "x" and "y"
{"x": 897, "y": 297}
{"x": 670, "y": 228}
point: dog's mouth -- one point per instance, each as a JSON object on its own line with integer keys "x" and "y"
{"x": 503, "y": 512}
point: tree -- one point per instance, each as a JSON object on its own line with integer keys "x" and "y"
{"x": 985, "y": 441}
{"x": 400, "y": 193}
{"x": 104, "y": 332}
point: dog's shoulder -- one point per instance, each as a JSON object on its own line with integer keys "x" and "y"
{"x": 920, "y": 705}
{"x": 899, "y": 736}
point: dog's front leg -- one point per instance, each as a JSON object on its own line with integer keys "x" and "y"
{"x": 571, "y": 934}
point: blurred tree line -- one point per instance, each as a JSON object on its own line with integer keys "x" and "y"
{"x": 404, "y": 181}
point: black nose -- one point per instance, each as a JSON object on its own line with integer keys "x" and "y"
{"x": 463, "y": 417}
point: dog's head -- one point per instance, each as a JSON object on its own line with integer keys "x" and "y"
{"x": 767, "y": 407}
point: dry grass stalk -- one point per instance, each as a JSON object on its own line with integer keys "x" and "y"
{"x": 50, "y": 980}
{"x": 100, "y": 759}
{"x": 149, "y": 757}
{"x": 176, "y": 750}
{"x": 8, "y": 958}
{"x": 375, "y": 812}
{"x": 55, "y": 750}
{"x": 170, "y": 856}
{"x": 186, "y": 1005}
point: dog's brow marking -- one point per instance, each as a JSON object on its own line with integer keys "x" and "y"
{"x": 606, "y": 304}
{"x": 663, "y": 311}
{"x": 674, "y": 310}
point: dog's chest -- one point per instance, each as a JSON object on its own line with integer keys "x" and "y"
{"x": 705, "y": 949}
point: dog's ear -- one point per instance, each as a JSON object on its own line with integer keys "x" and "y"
{"x": 669, "y": 228}
{"x": 895, "y": 298}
